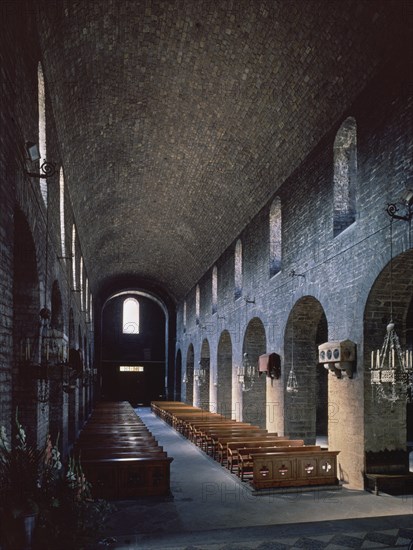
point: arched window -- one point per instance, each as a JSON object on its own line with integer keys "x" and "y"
{"x": 130, "y": 324}
{"x": 184, "y": 315}
{"x": 62, "y": 213}
{"x": 214, "y": 289}
{"x": 81, "y": 282}
{"x": 275, "y": 236}
{"x": 74, "y": 257}
{"x": 238, "y": 269}
{"x": 41, "y": 98}
{"x": 87, "y": 295}
{"x": 91, "y": 310}
{"x": 197, "y": 303}
{"x": 345, "y": 174}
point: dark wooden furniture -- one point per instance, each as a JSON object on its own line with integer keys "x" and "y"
{"x": 388, "y": 471}
{"x": 119, "y": 455}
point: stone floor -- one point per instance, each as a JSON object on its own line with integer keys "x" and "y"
{"x": 210, "y": 509}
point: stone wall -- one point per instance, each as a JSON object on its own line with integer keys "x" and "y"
{"x": 30, "y": 241}
{"x": 324, "y": 289}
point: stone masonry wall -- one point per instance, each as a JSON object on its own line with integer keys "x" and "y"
{"x": 19, "y": 58}
{"x": 335, "y": 274}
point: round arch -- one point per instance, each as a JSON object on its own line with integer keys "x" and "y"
{"x": 26, "y": 328}
{"x": 224, "y": 375}
{"x": 254, "y": 400}
{"x": 178, "y": 376}
{"x": 305, "y": 411}
{"x": 395, "y": 280}
{"x": 205, "y": 362}
{"x": 190, "y": 357}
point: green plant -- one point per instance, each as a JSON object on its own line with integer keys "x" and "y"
{"x": 27, "y": 474}
{"x": 34, "y": 481}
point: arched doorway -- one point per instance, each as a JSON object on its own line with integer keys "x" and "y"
{"x": 204, "y": 368}
{"x": 306, "y": 329}
{"x": 26, "y": 326}
{"x": 178, "y": 376}
{"x": 224, "y": 375}
{"x": 390, "y": 298}
{"x": 57, "y": 426}
{"x": 190, "y": 375}
{"x": 254, "y": 396}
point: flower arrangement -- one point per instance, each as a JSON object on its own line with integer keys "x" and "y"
{"x": 34, "y": 482}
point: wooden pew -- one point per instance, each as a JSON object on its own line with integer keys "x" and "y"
{"x": 246, "y": 456}
{"x": 243, "y": 431}
{"x": 278, "y": 465}
{"x": 220, "y": 442}
{"x": 294, "y": 469}
{"x": 120, "y": 456}
{"x": 235, "y": 448}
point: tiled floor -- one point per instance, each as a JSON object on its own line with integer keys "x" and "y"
{"x": 210, "y": 509}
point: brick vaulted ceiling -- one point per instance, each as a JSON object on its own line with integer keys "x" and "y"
{"x": 177, "y": 120}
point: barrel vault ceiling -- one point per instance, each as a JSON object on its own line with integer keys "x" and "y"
{"x": 177, "y": 120}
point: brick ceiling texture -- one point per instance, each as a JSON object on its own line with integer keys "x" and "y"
{"x": 177, "y": 120}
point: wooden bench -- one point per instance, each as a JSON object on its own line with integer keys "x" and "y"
{"x": 388, "y": 471}
{"x": 120, "y": 456}
{"x": 220, "y": 442}
{"x": 128, "y": 477}
{"x": 246, "y": 456}
{"x": 236, "y": 448}
{"x": 294, "y": 467}
{"x": 206, "y": 436}
{"x": 241, "y": 432}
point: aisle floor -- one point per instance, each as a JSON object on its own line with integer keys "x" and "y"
{"x": 211, "y": 509}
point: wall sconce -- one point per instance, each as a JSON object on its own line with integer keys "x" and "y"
{"x": 405, "y": 206}
{"x": 48, "y": 169}
{"x": 338, "y": 357}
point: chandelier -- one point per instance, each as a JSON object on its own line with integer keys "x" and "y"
{"x": 246, "y": 374}
{"x": 391, "y": 368}
{"x": 292, "y": 382}
{"x": 47, "y": 357}
{"x": 200, "y": 374}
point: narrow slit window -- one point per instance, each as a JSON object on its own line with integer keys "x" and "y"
{"x": 214, "y": 289}
{"x": 74, "y": 257}
{"x": 197, "y": 303}
{"x": 238, "y": 269}
{"x": 345, "y": 175}
{"x": 62, "y": 214}
{"x": 275, "y": 237}
{"x": 41, "y": 96}
{"x": 81, "y": 283}
{"x": 130, "y": 316}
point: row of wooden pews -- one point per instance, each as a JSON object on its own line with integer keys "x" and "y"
{"x": 119, "y": 455}
{"x": 265, "y": 459}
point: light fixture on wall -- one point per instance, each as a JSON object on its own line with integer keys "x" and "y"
{"x": 403, "y": 209}
{"x": 185, "y": 379}
{"x": 200, "y": 374}
{"x": 48, "y": 169}
{"x": 391, "y": 369}
{"x": 246, "y": 374}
